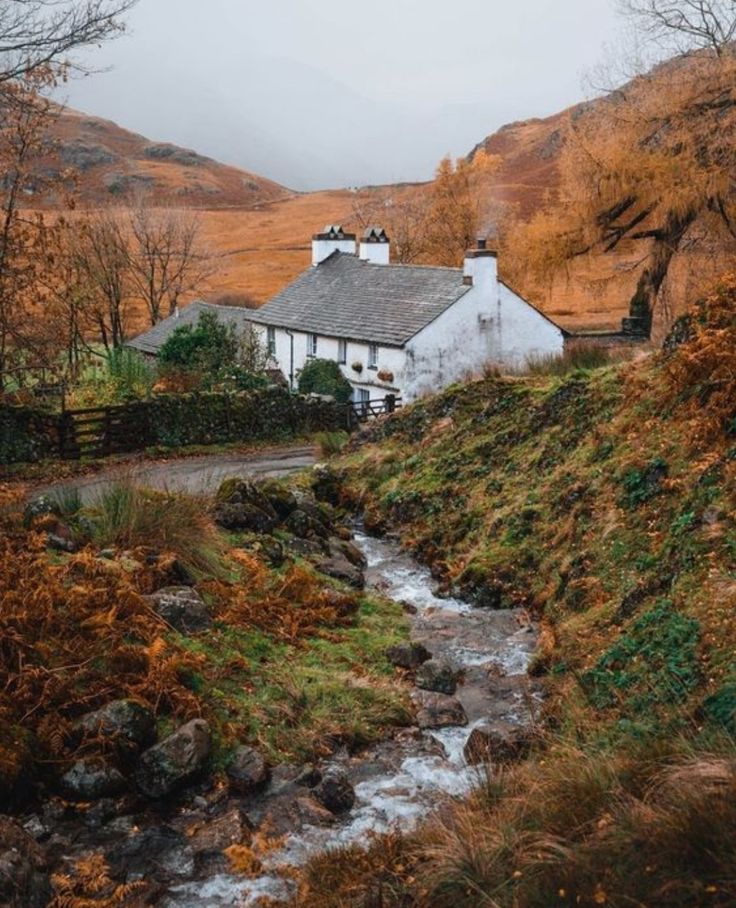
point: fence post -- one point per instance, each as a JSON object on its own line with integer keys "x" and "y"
{"x": 390, "y": 402}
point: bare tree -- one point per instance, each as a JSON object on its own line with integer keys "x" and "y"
{"x": 684, "y": 25}
{"x": 165, "y": 257}
{"x": 41, "y": 34}
{"x": 402, "y": 213}
{"x": 101, "y": 258}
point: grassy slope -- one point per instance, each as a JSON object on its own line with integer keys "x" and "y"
{"x": 596, "y": 501}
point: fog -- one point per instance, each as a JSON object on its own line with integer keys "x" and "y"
{"x": 323, "y": 94}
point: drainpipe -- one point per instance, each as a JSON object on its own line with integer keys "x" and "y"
{"x": 291, "y": 366}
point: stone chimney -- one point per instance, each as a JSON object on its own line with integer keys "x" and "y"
{"x": 375, "y": 246}
{"x": 481, "y": 266}
{"x": 332, "y": 239}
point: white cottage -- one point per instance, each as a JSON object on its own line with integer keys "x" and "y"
{"x": 406, "y": 330}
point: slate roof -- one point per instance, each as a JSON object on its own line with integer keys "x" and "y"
{"x": 151, "y": 341}
{"x": 356, "y": 300}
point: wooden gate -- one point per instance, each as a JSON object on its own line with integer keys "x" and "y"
{"x": 102, "y": 431}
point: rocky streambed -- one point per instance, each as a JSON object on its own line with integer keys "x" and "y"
{"x": 474, "y": 703}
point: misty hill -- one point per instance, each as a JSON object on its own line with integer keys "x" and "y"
{"x": 112, "y": 162}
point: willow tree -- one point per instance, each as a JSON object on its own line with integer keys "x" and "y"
{"x": 653, "y": 164}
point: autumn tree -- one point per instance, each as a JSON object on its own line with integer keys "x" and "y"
{"x": 457, "y": 207}
{"x": 43, "y": 35}
{"x": 651, "y": 167}
{"x": 402, "y": 212}
{"x": 165, "y": 257}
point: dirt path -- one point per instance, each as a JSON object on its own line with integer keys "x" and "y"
{"x": 195, "y": 475}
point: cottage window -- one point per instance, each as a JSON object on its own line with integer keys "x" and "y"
{"x": 373, "y": 356}
{"x": 312, "y": 345}
{"x": 342, "y": 352}
{"x": 271, "y": 341}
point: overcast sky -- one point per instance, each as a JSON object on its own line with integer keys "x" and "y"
{"x": 342, "y": 92}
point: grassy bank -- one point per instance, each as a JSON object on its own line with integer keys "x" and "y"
{"x": 292, "y": 663}
{"x": 602, "y": 501}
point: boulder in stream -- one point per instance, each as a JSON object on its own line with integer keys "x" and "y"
{"x": 334, "y": 791}
{"x": 437, "y": 675}
{"x": 436, "y": 710}
{"x": 178, "y": 759}
{"x": 247, "y": 771}
{"x": 338, "y": 567}
{"x": 408, "y": 655}
{"x": 497, "y": 743}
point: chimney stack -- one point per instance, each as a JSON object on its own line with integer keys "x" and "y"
{"x": 375, "y": 246}
{"x": 332, "y": 239}
{"x": 481, "y": 266}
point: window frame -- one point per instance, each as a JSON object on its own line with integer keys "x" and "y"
{"x": 373, "y": 360}
{"x": 342, "y": 352}
{"x": 271, "y": 340}
{"x": 312, "y": 342}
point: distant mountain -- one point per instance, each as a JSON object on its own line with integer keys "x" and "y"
{"x": 112, "y": 162}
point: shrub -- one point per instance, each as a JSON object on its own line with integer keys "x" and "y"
{"x": 702, "y": 363}
{"x": 207, "y": 347}
{"x": 130, "y": 374}
{"x": 579, "y": 356}
{"x": 324, "y": 376}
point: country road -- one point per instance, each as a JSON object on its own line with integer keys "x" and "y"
{"x": 196, "y": 475}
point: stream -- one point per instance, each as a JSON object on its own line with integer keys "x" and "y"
{"x": 401, "y": 780}
{"x": 178, "y": 846}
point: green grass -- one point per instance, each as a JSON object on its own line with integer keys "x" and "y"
{"x": 296, "y": 702}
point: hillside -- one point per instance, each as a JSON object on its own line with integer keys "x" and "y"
{"x": 603, "y": 503}
{"x": 112, "y": 162}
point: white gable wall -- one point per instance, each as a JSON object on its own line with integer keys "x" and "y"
{"x": 489, "y": 325}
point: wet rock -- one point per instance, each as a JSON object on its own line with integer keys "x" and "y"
{"x": 232, "y": 828}
{"x": 62, "y": 539}
{"x": 306, "y": 548}
{"x": 374, "y": 523}
{"x": 346, "y": 549}
{"x": 101, "y": 813}
{"x": 326, "y": 483}
{"x": 309, "y": 776}
{"x": 156, "y": 852}
{"x": 437, "y": 675}
{"x": 334, "y": 791}
{"x": 244, "y": 516}
{"x": 24, "y": 876}
{"x": 89, "y": 780}
{"x": 408, "y": 655}
{"x": 182, "y": 608}
{"x": 178, "y": 759}
{"x": 282, "y": 500}
{"x": 496, "y": 742}
{"x": 438, "y": 710}
{"x": 42, "y": 506}
{"x": 266, "y": 547}
{"x": 247, "y": 771}
{"x": 306, "y": 526}
{"x": 339, "y": 568}
{"x": 126, "y": 725}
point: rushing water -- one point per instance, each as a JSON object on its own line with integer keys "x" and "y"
{"x": 401, "y": 780}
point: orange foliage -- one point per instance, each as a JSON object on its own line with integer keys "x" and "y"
{"x": 288, "y": 607}
{"x": 702, "y": 370}
{"x": 90, "y": 886}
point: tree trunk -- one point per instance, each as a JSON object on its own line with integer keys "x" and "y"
{"x": 666, "y": 244}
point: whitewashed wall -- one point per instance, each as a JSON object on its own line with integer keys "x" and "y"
{"x": 390, "y": 359}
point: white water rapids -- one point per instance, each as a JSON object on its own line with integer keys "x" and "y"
{"x": 399, "y": 782}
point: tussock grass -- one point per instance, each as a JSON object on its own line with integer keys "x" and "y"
{"x": 574, "y": 826}
{"x": 128, "y": 516}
